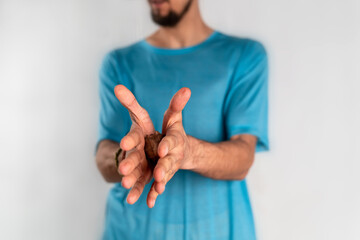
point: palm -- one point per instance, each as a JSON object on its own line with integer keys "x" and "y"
{"x": 134, "y": 167}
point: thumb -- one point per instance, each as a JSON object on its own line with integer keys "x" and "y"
{"x": 137, "y": 114}
{"x": 177, "y": 104}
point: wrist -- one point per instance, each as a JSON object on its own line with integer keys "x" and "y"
{"x": 194, "y": 145}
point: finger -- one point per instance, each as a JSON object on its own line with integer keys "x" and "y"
{"x": 137, "y": 113}
{"x": 128, "y": 100}
{"x": 177, "y": 104}
{"x": 169, "y": 165}
{"x": 179, "y": 100}
{"x": 132, "y": 160}
{"x": 163, "y": 167}
{"x": 138, "y": 188}
{"x": 160, "y": 186}
{"x": 129, "y": 180}
{"x": 169, "y": 142}
{"x": 132, "y": 139}
{"x": 151, "y": 198}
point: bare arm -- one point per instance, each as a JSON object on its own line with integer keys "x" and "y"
{"x": 228, "y": 160}
{"x": 105, "y": 161}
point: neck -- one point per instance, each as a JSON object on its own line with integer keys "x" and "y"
{"x": 191, "y": 30}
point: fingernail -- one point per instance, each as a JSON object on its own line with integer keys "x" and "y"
{"x": 162, "y": 175}
{"x": 152, "y": 203}
{"x": 131, "y": 199}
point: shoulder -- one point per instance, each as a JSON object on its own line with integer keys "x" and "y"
{"x": 116, "y": 55}
{"x": 244, "y": 46}
{"x": 249, "y": 56}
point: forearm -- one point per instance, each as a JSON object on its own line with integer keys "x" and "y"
{"x": 105, "y": 160}
{"x": 228, "y": 160}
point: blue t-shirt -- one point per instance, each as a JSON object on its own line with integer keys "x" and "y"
{"x": 228, "y": 80}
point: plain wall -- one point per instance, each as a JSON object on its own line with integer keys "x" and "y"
{"x": 306, "y": 187}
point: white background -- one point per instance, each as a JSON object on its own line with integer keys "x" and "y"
{"x": 307, "y": 187}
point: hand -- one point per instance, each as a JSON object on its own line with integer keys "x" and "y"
{"x": 134, "y": 167}
{"x": 174, "y": 148}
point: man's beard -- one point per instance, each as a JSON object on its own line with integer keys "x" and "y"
{"x": 172, "y": 18}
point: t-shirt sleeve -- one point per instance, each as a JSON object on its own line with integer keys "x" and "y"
{"x": 246, "y": 103}
{"x": 114, "y": 120}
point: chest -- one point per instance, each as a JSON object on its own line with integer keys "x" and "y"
{"x": 155, "y": 82}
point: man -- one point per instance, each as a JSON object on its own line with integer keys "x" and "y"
{"x": 214, "y": 123}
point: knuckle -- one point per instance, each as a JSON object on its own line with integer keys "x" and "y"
{"x": 173, "y": 170}
{"x": 165, "y": 142}
{"x": 138, "y": 171}
{"x": 173, "y": 160}
{"x": 138, "y": 187}
{"x": 153, "y": 193}
{"x": 130, "y": 162}
{"x": 137, "y": 156}
{"x": 141, "y": 180}
{"x": 170, "y": 175}
{"x": 172, "y": 140}
{"x": 181, "y": 155}
{"x": 131, "y": 180}
{"x": 141, "y": 166}
{"x": 162, "y": 165}
{"x": 169, "y": 165}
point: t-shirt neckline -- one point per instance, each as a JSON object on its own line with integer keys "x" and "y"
{"x": 175, "y": 51}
